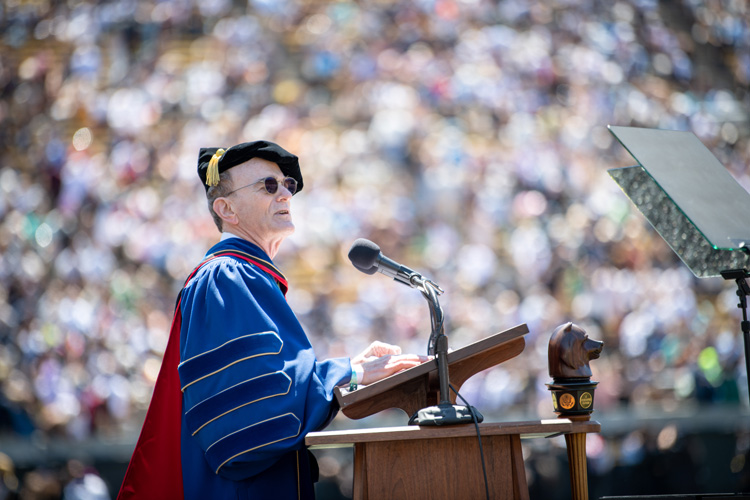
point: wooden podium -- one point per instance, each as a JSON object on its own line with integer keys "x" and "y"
{"x": 444, "y": 462}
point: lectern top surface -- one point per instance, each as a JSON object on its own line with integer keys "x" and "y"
{"x": 694, "y": 179}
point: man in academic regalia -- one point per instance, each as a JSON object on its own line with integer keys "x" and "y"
{"x": 240, "y": 385}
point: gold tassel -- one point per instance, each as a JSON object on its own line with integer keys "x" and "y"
{"x": 212, "y": 175}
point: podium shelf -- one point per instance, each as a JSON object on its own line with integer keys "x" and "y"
{"x": 526, "y": 429}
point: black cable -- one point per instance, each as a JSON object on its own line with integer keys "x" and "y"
{"x": 479, "y": 437}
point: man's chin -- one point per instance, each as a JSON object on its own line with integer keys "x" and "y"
{"x": 287, "y": 228}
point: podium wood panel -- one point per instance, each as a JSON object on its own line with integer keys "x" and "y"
{"x": 451, "y": 469}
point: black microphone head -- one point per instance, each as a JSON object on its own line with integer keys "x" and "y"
{"x": 364, "y": 254}
{"x": 372, "y": 270}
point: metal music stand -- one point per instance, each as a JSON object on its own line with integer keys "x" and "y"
{"x": 694, "y": 204}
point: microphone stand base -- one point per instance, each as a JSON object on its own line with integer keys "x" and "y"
{"x": 445, "y": 414}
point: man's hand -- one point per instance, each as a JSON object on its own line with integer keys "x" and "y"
{"x": 381, "y": 360}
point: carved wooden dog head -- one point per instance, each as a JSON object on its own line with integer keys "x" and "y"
{"x": 570, "y": 351}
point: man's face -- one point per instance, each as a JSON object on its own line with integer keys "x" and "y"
{"x": 265, "y": 217}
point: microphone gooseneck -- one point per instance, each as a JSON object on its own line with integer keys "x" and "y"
{"x": 367, "y": 257}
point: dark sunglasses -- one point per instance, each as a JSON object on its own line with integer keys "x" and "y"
{"x": 272, "y": 185}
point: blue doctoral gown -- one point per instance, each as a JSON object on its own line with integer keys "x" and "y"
{"x": 251, "y": 389}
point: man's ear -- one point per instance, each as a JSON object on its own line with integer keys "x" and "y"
{"x": 225, "y": 211}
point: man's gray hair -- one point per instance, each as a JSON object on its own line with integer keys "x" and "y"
{"x": 223, "y": 188}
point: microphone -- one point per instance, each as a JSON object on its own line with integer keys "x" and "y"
{"x": 367, "y": 257}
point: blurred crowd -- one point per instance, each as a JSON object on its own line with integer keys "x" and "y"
{"x": 467, "y": 138}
